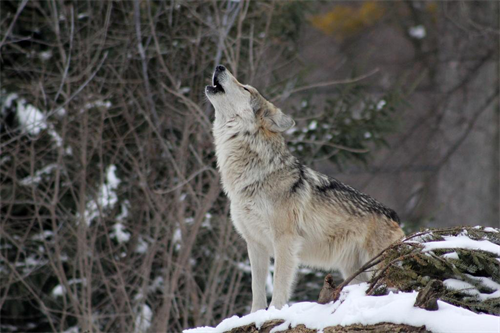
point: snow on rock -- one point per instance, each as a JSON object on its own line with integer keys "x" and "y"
{"x": 355, "y": 307}
{"x": 463, "y": 242}
{"x": 470, "y": 289}
{"x": 490, "y": 229}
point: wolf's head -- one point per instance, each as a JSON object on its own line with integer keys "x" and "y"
{"x": 231, "y": 99}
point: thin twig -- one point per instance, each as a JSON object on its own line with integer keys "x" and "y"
{"x": 142, "y": 54}
{"x": 324, "y": 84}
{"x": 334, "y": 145}
{"x": 19, "y": 10}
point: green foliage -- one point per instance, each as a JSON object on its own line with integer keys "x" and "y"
{"x": 350, "y": 126}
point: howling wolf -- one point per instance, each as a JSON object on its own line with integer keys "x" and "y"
{"x": 282, "y": 208}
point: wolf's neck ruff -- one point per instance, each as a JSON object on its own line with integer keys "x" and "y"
{"x": 247, "y": 156}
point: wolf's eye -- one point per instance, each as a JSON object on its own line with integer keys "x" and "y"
{"x": 246, "y": 89}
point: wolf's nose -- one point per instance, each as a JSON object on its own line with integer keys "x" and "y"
{"x": 220, "y": 68}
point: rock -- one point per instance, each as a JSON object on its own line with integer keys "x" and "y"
{"x": 327, "y": 291}
{"x": 377, "y": 328}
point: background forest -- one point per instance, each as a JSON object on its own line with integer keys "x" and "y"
{"x": 112, "y": 217}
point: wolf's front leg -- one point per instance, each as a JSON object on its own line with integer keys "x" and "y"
{"x": 285, "y": 266}
{"x": 259, "y": 262}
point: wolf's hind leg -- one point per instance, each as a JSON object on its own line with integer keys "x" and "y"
{"x": 259, "y": 263}
{"x": 285, "y": 266}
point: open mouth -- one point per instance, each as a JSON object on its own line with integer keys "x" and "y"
{"x": 216, "y": 87}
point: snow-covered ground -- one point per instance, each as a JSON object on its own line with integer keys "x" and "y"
{"x": 355, "y": 307}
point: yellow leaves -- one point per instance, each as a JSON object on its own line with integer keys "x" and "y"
{"x": 344, "y": 21}
{"x": 432, "y": 9}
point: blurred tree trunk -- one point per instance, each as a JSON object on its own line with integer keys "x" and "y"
{"x": 464, "y": 186}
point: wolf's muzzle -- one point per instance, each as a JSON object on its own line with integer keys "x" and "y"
{"x": 217, "y": 87}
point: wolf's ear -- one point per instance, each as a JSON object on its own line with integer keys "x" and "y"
{"x": 277, "y": 121}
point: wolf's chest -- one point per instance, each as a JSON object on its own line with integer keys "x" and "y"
{"x": 252, "y": 219}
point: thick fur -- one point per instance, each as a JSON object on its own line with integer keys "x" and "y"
{"x": 282, "y": 208}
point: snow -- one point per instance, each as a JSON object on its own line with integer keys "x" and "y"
{"x": 451, "y": 255}
{"x": 381, "y": 104}
{"x": 206, "y": 221}
{"x": 142, "y": 246}
{"x": 30, "y": 118}
{"x": 30, "y": 264}
{"x": 119, "y": 232}
{"x": 60, "y": 290}
{"x": 355, "y": 307}
{"x": 470, "y": 289}
{"x": 177, "y": 238}
{"x": 490, "y": 229}
{"x": 8, "y": 101}
{"x": 464, "y": 242}
{"x": 10, "y": 328}
{"x": 29, "y": 180}
{"x": 455, "y": 284}
{"x": 42, "y": 235}
{"x": 82, "y": 16}
{"x": 313, "y": 125}
{"x": 32, "y": 121}
{"x": 485, "y": 281}
{"x": 98, "y": 104}
{"x": 157, "y": 285}
{"x": 143, "y": 319}
{"x": 184, "y": 90}
{"x": 45, "y": 55}
{"x": 73, "y": 329}
{"x": 417, "y": 32}
{"x": 107, "y": 196}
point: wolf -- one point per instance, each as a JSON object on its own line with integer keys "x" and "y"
{"x": 282, "y": 208}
